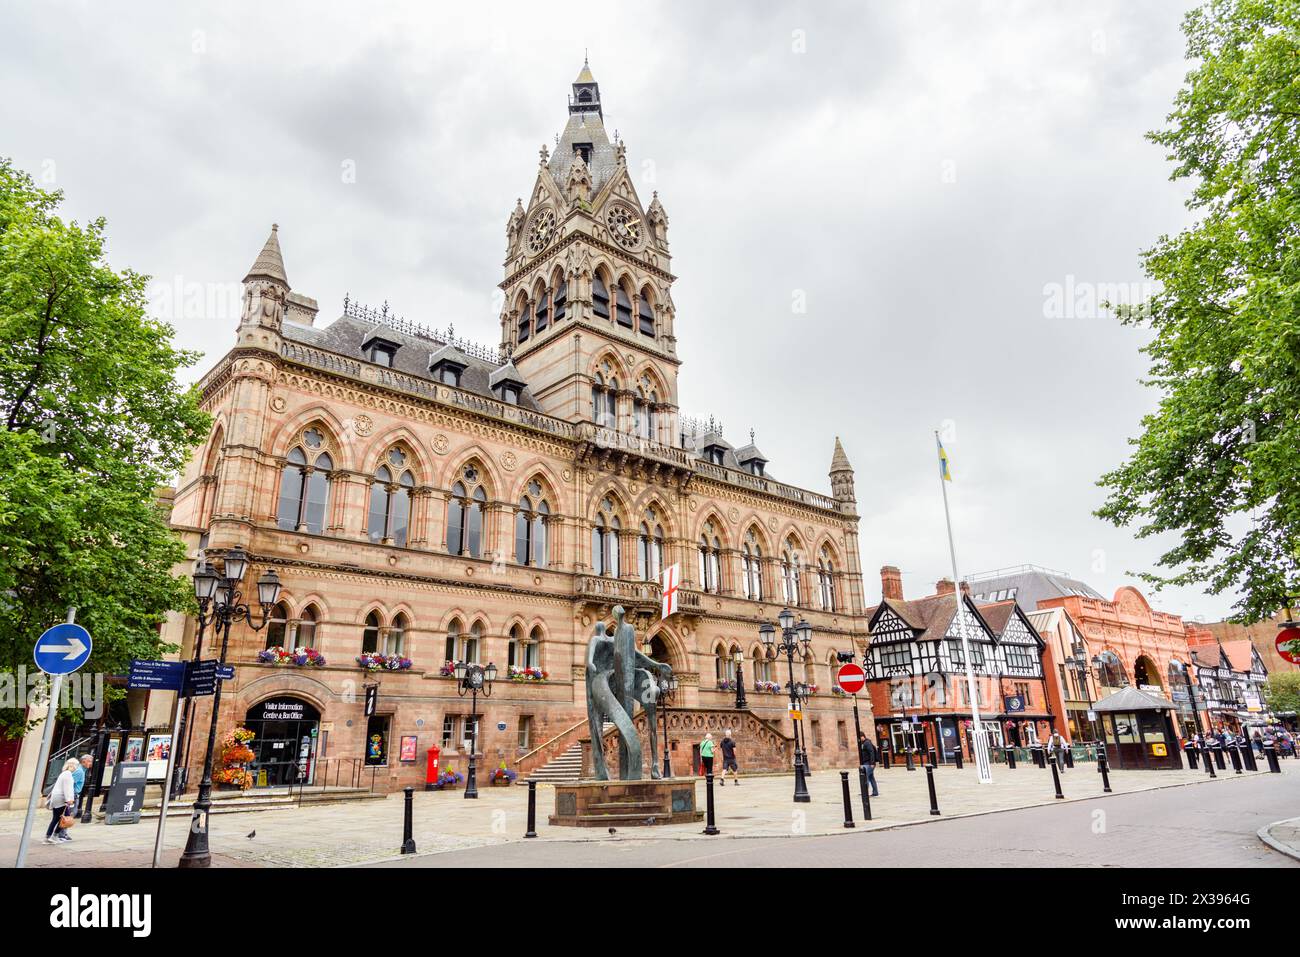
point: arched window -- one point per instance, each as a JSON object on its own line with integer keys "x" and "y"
{"x": 650, "y": 548}
{"x": 277, "y": 627}
{"x": 640, "y": 421}
{"x": 751, "y": 567}
{"x": 646, "y": 314}
{"x": 826, "y": 581}
{"x": 1110, "y": 671}
{"x": 561, "y": 299}
{"x": 604, "y": 396}
{"x": 465, "y": 515}
{"x": 623, "y": 306}
{"x": 306, "y": 635}
{"x": 530, "y": 527}
{"x": 710, "y": 561}
{"x": 790, "y": 573}
{"x": 390, "y": 500}
{"x": 599, "y": 296}
{"x": 395, "y": 637}
{"x": 525, "y": 321}
{"x": 722, "y": 670}
{"x": 474, "y": 643}
{"x": 541, "y": 313}
{"x": 370, "y": 633}
{"x": 453, "y": 648}
{"x": 305, "y": 487}
{"x": 533, "y": 648}
{"x": 604, "y": 541}
{"x": 653, "y": 416}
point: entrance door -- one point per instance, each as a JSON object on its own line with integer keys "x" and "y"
{"x": 285, "y": 748}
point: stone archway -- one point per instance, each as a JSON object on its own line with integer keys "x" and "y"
{"x": 1147, "y": 674}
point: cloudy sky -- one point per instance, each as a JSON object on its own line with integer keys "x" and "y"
{"x": 886, "y": 218}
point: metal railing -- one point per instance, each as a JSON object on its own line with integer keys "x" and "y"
{"x": 82, "y": 745}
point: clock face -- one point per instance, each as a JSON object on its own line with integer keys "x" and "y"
{"x": 624, "y": 226}
{"x": 541, "y": 230}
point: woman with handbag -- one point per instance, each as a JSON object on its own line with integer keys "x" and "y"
{"x": 61, "y": 799}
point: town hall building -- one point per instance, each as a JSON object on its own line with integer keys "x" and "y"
{"x": 426, "y": 500}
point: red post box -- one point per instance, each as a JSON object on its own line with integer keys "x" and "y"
{"x": 431, "y": 770}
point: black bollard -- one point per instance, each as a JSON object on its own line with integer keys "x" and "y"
{"x": 1056, "y": 782}
{"x": 933, "y": 755}
{"x": 710, "y": 827}
{"x": 1191, "y": 758}
{"x": 866, "y": 798}
{"x": 957, "y": 756}
{"x": 1235, "y": 754}
{"x": 532, "y": 809}
{"x": 1218, "y": 759}
{"x": 1104, "y": 768}
{"x": 1069, "y": 757}
{"x": 1209, "y": 762}
{"x": 1270, "y": 755}
{"x": 934, "y": 798}
{"x": 911, "y": 766}
{"x": 1248, "y": 755}
{"x": 1011, "y": 758}
{"x": 848, "y": 800}
{"x": 408, "y": 842}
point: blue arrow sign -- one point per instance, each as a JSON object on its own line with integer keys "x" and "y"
{"x": 62, "y": 649}
{"x": 226, "y": 672}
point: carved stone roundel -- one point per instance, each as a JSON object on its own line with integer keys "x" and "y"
{"x": 508, "y": 461}
{"x": 278, "y": 404}
{"x": 733, "y": 515}
{"x": 771, "y": 523}
{"x": 363, "y": 424}
{"x": 441, "y": 443}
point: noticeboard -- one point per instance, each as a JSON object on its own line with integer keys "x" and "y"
{"x": 126, "y": 795}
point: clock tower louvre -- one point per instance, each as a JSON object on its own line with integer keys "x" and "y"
{"x": 587, "y": 314}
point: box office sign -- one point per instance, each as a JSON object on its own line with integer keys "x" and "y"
{"x": 283, "y": 709}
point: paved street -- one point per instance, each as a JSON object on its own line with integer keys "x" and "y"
{"x": 1214, "y": 818}
{"x": 1210, "y": 825}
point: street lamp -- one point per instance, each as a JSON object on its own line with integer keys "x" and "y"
{"x": 205, "y": 587}
{"x": 1191, "y": 692}
{"x": 739, "y": 658}
{"x": 218, "y": 596}
{"x": 792, "y": 637}
{"x": 472, "y": 679}
{"x": 667, "y": 691}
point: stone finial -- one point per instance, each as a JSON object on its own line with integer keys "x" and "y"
{"x": 545, "y": 155}
{"x": 269, "y": 263}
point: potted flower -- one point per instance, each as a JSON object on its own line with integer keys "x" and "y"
{"x": 302, "y": 657}
{"x": 374, "y": 661}
{"x": 503, "y": 776}
{"x": 838, "y": 691}
{"x": 448, "y": 670}
{"x": 233, "y": 775}
{"x": 447, "y": 779}
{"x": 727, "y": 684}
{"x": 527, "y": 674}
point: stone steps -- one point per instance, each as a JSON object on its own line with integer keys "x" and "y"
{"x": 566, "y": 766}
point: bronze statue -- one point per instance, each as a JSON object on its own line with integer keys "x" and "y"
{"x": 617, "y": 677}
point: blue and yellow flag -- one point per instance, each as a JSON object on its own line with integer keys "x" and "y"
{"x": 945, "y": 472}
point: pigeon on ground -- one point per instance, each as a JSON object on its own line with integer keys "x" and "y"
{"x": 650, "y": 821}
{"x": 612, "y": 830}
{"x": 252, "y": 834}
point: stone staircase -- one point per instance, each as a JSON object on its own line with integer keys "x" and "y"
{"x": 565, "y": 767}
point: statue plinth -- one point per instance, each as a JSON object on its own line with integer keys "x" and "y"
{"x": 626, "y": 803}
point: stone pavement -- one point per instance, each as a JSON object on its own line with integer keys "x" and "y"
{"x": 760, "y": 807}
{"x": 1283, "y": 836}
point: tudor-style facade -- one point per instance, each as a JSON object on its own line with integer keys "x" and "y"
{"x": 917, "y": 677}
{"x": 1230, "y": 679}
{"x": 425, "y": 498}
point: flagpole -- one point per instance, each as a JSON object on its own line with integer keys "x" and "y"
{"x": 981, "y": 742}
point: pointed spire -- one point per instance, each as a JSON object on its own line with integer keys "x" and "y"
{"x": 585, "y": 76}
{"x": 840, "y": 461}
{"x": 269, "y": 263}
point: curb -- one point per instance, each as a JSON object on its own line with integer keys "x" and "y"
{"x": 1264, "y": 835}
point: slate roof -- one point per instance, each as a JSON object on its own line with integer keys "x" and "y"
{"x": 930, "y": 616}
{"x": 1031, "y": 585}
{"x": 346, "y": 335}
{"x": 585, "y": 128}
{"x": 1131, "y": 699}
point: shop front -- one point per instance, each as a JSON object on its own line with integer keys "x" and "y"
{"x": 287, "y": 733}
{"x": 1139, "y": 731}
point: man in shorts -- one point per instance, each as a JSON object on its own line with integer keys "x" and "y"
{"x": 729, "y": 759}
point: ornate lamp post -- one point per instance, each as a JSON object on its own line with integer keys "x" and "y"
{"x": 218, "y": 595}
{"x": 667, "y": 691}
{"x": 1191, "y": 692}
{"x": 793, "y": 637}
{"x": 739, "y": 659}
{"x": 472, "y": 679}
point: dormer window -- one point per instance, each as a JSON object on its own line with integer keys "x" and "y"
{"x": 448, "y": 374}
{"x": 447, "y": 364}
{"x": 584, "y": 149}
{"x": 755, "y": 466}
{"x": 380, "y": 351}
{"x": 715, "y": 454}
{"x": 510, "y": 394}
{"x": 507, "y": 384}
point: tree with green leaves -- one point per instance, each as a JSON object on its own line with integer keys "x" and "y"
{"x": 1218, "y": 462}
{"x": 93, "y": 422}
{"x": 1282, "y": 692}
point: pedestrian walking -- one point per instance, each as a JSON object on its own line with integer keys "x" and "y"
{"x": 729, "y": 759}
{"x": 60, "y": 802}
{"x": 706, "y": 753}
{"x": 79, "y": 780}
{"x": 869, "y": 757}
{"x": 1056, "y": 749}
{"x": 1258, "y": 743}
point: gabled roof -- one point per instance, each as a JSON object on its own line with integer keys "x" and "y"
{"x": 1238, "y": 653}
{"x": 1131, "y": 699}
{"x": 507, "y": 373}
{"x": 1029, "y": 585}
{"x": 930, "y": 617}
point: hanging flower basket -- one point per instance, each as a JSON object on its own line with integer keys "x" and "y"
{"x": 448, "y": 670}
{"x": 373, "y": 661}
{"x": 838, "y": 691}
{"x": 727, "y": 684}
{"x": 447, "y": 780}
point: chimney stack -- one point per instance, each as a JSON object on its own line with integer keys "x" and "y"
{"x": 944, "y": 586}
{"x": 891, "y": 583}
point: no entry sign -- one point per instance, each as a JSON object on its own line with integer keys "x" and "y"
{"x": 851, "y": 678}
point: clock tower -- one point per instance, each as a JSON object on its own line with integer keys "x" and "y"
{"x": 588, "y": 316}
